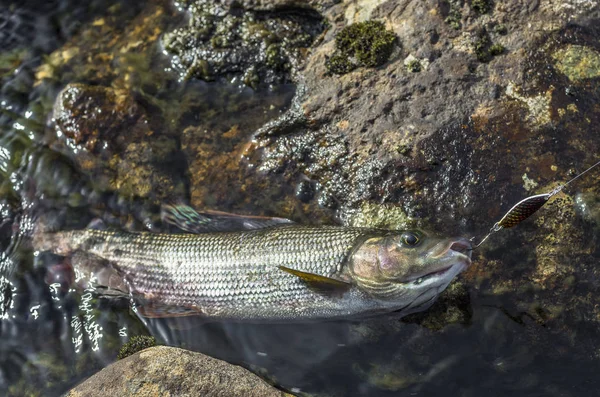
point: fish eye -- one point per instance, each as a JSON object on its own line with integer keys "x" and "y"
{"x": 410, "y": 239}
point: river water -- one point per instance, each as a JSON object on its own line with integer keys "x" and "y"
{"x": 54, "y": 334}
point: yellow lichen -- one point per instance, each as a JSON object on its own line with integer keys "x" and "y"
{"x": 538, "y": 106}
{"x": 577, "y": 62}
{"x": 383, "y": 216}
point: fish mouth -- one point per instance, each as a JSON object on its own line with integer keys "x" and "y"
{"x": 462, "y": 246}
{"x": 438, "y": 272}
{"x": 456, "y": 253}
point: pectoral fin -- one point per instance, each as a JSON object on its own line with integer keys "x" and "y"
{"x": 188, "y": 219}
{"x": 100, "y": 274}
{"x": 317, "y": 283}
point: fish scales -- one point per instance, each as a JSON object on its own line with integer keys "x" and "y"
{"x": 233, "y": 274}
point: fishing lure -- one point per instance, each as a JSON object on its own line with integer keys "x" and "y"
{"x": 525, "y": 208}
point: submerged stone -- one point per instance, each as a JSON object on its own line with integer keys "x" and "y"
{"x": 588, "y": 206}
{"x": 111, "y": 136}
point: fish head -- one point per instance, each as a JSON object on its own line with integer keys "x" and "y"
{"x": 408, "y": 270}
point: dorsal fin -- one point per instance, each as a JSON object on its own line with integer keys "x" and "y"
{"x": 184, "y": 217}
{"x": 317, "y": 283}
{"x": 188, "y": 219}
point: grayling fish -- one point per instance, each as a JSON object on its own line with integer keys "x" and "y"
{"x": 271, "y": 272}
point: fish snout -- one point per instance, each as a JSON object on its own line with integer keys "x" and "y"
{"x": 454, "y": 247}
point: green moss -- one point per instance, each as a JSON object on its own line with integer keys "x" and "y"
{"x": 136, "y": 344}
{"x": 454, "y": 17}
{"x": 369, "y": 43}
{"x": 219, "y": 41}
{"x": 251, "y": 78}
{"x": 501, "y": 29}
{"x": 485, "y": 50}
{"x": 481, "y": 6}
{"x": 200, "y": 69}
{"x": 403, "y": 149}
{"x": 273, "y": 57}
{"x": 414, "y": 66}
{"x": 496, "y": 49}
{"x": 481, "y": 48}
{"x": 339, "y": 64}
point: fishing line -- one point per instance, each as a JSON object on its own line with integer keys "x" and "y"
{"x": 526, "y": 207}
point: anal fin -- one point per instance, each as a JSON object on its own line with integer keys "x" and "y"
{"x": 155, "y": 309}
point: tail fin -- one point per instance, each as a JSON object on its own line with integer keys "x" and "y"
{"x": 56, "y": 242}
{"x": 44, "y": 237}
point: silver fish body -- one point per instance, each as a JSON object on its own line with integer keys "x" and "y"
{"x": 238, "y": 275}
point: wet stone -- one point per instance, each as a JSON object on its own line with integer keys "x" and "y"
{"x": 228, "y": 40}
{"x": 422, "y": 140}
{"x": 451, "y": 144}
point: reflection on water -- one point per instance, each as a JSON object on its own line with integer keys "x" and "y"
{"x": 54, "y": 333}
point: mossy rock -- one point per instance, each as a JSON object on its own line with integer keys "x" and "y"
{"x": 136, "y": 344}
{"x": 485, "y": 50}
{"x": 232, "y": 41}
{"x": 361, "y": 44}
{"x": 339, "y": 64}
{"x": 481, "y": 6}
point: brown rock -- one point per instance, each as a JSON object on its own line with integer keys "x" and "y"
{"x": 168, "y": 371}
{"x": 112, "y": 137}
{"x": 375, "y": 133}
{"x": 94, "y": 116}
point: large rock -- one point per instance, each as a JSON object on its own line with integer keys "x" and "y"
{"x": 428, "y": 129}
{"x": 168, "y": 371}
